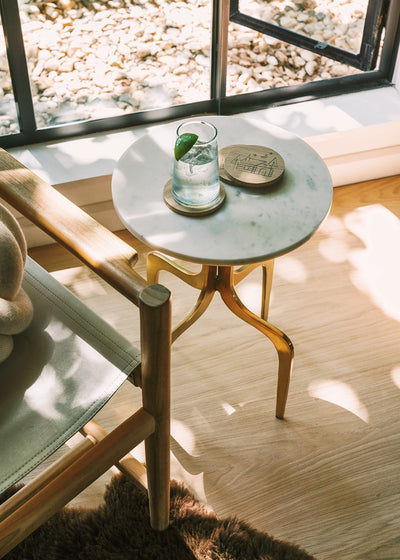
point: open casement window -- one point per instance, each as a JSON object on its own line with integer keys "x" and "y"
{"x": 75, "y": 67}
{"x": 309, "y": 26}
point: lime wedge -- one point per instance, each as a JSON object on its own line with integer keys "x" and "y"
{"x": 183, "y": 144}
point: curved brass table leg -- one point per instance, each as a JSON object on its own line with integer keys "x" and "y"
{"x": 223, "y": 278}
{"x": 203, "y": 301}
{"x": 267, "y": 270}
{"x": 283, "y": 345}
{"x": 205, "y": 281}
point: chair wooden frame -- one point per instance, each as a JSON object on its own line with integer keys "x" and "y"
{"x": 112, "y": 259}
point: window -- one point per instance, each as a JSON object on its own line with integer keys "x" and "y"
{"x": 347, "y": 32}
{"x": 72, "y": 67}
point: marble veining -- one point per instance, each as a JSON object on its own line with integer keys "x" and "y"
{"x": 253, "y": 224}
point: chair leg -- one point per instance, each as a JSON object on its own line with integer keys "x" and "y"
{"x": 155, "y": 309}
{"x": 75, "y": 478}
{"x": 157, "y": 448}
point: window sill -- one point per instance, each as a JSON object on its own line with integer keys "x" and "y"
{"x": 357, "y": 142}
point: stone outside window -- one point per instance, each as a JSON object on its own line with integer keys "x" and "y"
{"x": 272, "y": 63}
{"x": 93, "y": 59}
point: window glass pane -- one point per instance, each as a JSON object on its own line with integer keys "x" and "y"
{"x": 8, "y": 110}
{"x": 257, "y": 62}
{"x": 95, "y": 59}
{"x": 339, "y": 23}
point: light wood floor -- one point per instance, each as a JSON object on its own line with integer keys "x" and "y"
{"x": 328, "y": 476}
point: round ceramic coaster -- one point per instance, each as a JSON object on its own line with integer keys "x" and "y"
{"x": 192, "y": 210}
{"x": 250, "y": 166}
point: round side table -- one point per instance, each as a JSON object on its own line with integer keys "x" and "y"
{"x": 251, "y": 229}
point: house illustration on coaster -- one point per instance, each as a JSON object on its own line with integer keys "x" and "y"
{"x": 255, "y": 164}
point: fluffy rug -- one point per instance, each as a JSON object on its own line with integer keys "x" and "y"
{"x": 119, "y": 530}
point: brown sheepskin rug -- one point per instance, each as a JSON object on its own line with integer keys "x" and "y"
{"x": 120, "y": 530}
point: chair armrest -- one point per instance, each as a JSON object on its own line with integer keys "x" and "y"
{"x": 96, "y": 246}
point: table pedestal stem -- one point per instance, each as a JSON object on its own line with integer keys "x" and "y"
{"x": 224, "y": 279}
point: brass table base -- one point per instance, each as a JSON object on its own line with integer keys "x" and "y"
{"x": 223, "y": 279}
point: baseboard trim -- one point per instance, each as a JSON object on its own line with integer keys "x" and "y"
{"x": 352, "y": 156}
{"x": 361, "y": 154}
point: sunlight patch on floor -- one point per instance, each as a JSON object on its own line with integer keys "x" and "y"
{"x": 185, "y": 465}
{"x": 339, "y": 393}
{"x": 376, "y": 263}
{"x": 291, "y": 269}
{"x": 334, "y": 250}
{"x": 377, "y": 266}
{"x": 335, "y": 246}
{"x": 183, "y": 435}
{"x": 229, "y": 409}
{"x": 395, "y": 375}
{"x": 250, "y": 294}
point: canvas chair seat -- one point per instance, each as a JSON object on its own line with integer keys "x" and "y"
{"x": 64, "y": 367}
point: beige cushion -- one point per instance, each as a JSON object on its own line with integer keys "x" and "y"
{"x": 15, "y": 306}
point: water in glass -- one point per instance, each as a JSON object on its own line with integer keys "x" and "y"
{"x": 195, "y": 179}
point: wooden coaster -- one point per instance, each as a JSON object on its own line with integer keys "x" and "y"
{"x": 192, "y": 210}
{"x": 245, "y": 165}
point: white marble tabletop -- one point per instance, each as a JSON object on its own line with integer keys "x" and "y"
{"x": 253, "y": 225}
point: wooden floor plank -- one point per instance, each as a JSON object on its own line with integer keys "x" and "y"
{"x": 327, "y": 477}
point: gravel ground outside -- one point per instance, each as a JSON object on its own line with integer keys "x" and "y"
{"x": 92, "y": 59}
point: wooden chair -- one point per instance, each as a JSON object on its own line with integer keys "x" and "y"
{"x": 69, "y": 362}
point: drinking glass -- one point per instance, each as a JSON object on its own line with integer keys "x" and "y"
{"x": 195, "y": 177}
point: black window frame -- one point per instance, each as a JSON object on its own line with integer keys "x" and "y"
{"x": 366, "y": 59}
{"x": 218, "y": 102}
